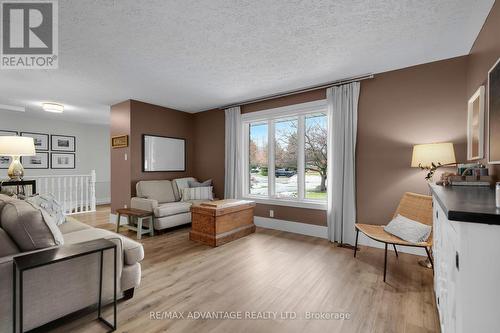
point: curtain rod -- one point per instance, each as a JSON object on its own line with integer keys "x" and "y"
{"x": 298, "y": 91}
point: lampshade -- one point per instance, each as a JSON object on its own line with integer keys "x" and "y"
{"x": 17, "y": 146}
{"x": 426, "y": 154}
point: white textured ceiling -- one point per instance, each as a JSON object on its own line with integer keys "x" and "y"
{"x": 196, "y": 55}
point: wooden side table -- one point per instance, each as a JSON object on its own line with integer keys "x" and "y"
{"x": 139, "y": 215}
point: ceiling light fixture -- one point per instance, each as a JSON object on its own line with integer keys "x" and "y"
{"x": 53, "y": 107}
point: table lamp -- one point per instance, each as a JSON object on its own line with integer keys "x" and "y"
{"x": 16, "y": 146}
{"x": 431, "y": 156}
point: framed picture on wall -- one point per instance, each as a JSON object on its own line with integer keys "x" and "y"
{"x": 8, "y": 133}
{"x": 41, "y": 140}
{"x": 475, "y": 125}
{"x": 39, "y": 161}
{"x": 494, "y": 113}
{"x": 62, "y": 143}
{"x": 62, "y": 161}
{"x": 5, "y": 162}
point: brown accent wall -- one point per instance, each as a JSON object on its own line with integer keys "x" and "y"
{"x": 120, "y": 168}
{"x": 209, "y": 142}
{"x": 135, "y": 119}
{"x": 152, "y": 119}
{"x": 398, "y": 109}
{"x": 483, "y": 55}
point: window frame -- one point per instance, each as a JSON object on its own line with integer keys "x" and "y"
{"x": 269, "y": 116}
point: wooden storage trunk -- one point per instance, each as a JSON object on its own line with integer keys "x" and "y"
{"x": 219, "y": 222}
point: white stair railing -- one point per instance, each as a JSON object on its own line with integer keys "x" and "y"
{"x": 76, "y": 193}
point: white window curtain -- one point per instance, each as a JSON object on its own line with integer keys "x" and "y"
{"x": 342, "y": 120}
{"x": 232, "y": 162}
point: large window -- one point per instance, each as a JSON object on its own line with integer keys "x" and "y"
{"x": 285, "y": 154}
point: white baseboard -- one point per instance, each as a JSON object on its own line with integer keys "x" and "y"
{"x": 295, "y": 227}
{"x": 113, "y": 217}
{"x": 322, "y": 232}
{"x": 103, "y": 201}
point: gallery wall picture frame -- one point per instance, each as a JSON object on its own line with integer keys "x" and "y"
{"x": 5, "y": 162}
{"x": 65, "y": 143}
{"x": 475, "y": 125}
{"x": 41, "y": 140}
{"x": 62, "y": 161}
{"x": 39, "y": 161}
{"x": 494, "y": 114}
{"x": 8, "y": 133}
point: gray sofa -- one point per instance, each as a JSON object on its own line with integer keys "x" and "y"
{"x": 163, "y": 199}
{"x": 53, "y": 291}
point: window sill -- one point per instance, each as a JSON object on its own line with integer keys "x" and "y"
{"x": 288, "y": 203}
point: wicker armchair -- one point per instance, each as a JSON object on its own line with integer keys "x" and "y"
{"x": 413, "y": 206}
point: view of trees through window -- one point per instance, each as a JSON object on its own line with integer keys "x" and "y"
{"x": 258, "y": 159}
{"x": 316, "y": 136}
{"x": 286, "y": 156}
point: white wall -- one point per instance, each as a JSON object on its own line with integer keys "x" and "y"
{"x": 92, "y": 147}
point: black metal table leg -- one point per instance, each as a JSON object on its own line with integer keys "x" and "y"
{"x": 356, "y": 243}
{"x": 114, "y": 281}
{"x": 21, "y": 301}
{"x": 394, "y": 245}
{"x": 385, "y": 261}
{"x": 14, "y": 277}
{"x": 107, "y": 323}
{"x": 100, "y": 286}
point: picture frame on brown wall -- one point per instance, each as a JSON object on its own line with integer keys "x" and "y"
{"x": 120, "y": 141}
{"x": 494, "y": 113}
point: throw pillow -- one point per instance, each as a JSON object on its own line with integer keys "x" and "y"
{"x": 206, "y": 183}
{"x": 29, "y": 227}
{"x": 197, "y": 193}
{"x": 48, "y": 203}
{"x": 408, "y": 230}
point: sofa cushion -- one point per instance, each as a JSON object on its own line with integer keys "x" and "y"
{"x": 160, "y": 190}
{"x": 7, "y": 245}
{"x": 172, "y": 208}
{"x": 72, "y": 225}
{"x": 3, "y": 200}
{"x": 132, "y": 251}
{"x": 30, "y": 228}
{"x": 179, "y": 184}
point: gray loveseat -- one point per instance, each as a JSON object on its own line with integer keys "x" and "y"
{"x": 53, "y": 291}
{"x": 163, "y": 199}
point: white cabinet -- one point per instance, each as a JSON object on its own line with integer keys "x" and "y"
{"x": 467, "y": 274}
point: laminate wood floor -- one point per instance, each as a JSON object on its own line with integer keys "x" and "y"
{"x": 269, "y": 271}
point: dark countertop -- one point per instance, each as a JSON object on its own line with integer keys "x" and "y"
{"x": 468, "y": 203}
